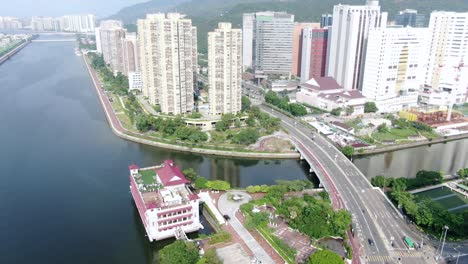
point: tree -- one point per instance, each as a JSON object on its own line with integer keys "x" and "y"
{"x": 179, "y": 252}
{"x": 349, "y": 110}
{"x": 246, "y": 103}
{"x": 190, "y": 174}
{"x": 201, "y": 182}
{"x": 382, "y": 128}
{"x": 336, "y": 111}
{"x": 250, "y": 121}
{"x": 399, "y": 184}
{"x": 370, "y": 107}
{"x": 348, "y": 151}
{"x": 218, "y": 185}
{"x": 210, "y": 257}
{"x": 379, "y": 181}
{"x": 297, "y": 109}
{"x": 221, "y": 126}
{"x": 325, "y": 256}
{"x": 143, "y": 122}
{"x": 246, "y": 137}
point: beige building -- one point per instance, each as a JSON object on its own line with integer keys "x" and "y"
{"x": 112, "y": 36}
{"x": 224, "y": 70}
{"x": 297, "y": 45}
{"x": 130, "y": 52}
{"x": 166, "y": 45}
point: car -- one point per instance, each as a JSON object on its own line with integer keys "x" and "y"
{"x": 371, "y": 242}
{"x": 227, "y": 217}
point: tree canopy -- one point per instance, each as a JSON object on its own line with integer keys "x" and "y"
{"x": 370, "y": 107}
{"x": 179, "y": 252}
{"x": 325, "y": 256}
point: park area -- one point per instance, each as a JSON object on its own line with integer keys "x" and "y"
{"x": 452, "y": 201}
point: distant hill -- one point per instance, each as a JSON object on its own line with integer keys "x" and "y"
{"x": 206, "y": 14}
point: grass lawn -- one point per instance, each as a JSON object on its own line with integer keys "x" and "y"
{"x": 148, "y": 176}
{"x": 434, "y": 193}
{"x": 125, "y": 121}
{"x": 447, "y": 203}
{"x": 394, "y": 134}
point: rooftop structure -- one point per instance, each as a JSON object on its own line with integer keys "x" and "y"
{"x": 165, "y": 202}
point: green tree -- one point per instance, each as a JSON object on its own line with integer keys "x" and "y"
{"x": 210, "y": 257}
{"x": 297, "y": 109}
{"x": 370, "y": 107}
{"x": 349, "y": 110}
{"x": 201, "y": 183}
{"x": 143, "y": 122}
{"x": 348, "y": 151}
{"x": 218, "y": 185}
{"x": 336, "y": 111}
{"x": 379, "y": 181}
{"x": 246, "y": 137}
{"x": 190, "y": 174}
{"x": 382, "y": 128}
{"x": 250, "y": 121}
{"x": 246, "y": 103}
{"x": 179, "y": 252}
{"x": 341, "y": 222}
{"x": 325, "y": 256}
{"x": 399, "y": 184}
{"x": 221, "y": 126}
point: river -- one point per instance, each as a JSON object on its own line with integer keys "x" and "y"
{"x": 64, "y": 196}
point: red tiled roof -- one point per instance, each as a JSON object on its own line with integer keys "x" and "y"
{"x": 133, "y": 167}
{"x": 322, "y": 83}
{"x": 193, "y": 196}
{"x": 170, "y": 174}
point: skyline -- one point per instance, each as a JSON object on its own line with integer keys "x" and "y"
{"x": 27, "y": 8}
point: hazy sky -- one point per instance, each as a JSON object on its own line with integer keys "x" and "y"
{"x": 23, "y": 8}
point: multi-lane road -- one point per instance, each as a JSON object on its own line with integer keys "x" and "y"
{"x": 379, "y": 227}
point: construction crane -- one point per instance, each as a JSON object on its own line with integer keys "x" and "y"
{"x": 457, "y": 70}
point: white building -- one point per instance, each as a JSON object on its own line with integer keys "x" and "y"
{"x": 10, "y": 23}
{"x": 348, "y": 39}
{"x": 166, "y": 205}
{"x": 45, "y": 24}
{"x": 325, "y": 93}
{"x": 247, "y": 40}
{"x": 112, "y": 35}
{"x": 394, "y": 67}
{"x": 224, "y": 70}
{"x": 166, "y": 44}
{"x": 134, "y": 81}
{"x": 448, "y": 52}
{"x": 78, "y": 23}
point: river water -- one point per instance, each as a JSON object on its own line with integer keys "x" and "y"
{"x": 64, "y": 195}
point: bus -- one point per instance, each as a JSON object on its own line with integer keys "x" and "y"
{"x": 409, "y": 243}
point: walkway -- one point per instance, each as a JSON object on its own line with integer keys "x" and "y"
{"x": 229, "y": 208}
{"x": 206, "y": 198}
{"x": 146, "y": 106}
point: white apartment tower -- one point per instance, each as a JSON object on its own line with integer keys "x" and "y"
{"x": 447, "y": 69}
{"x": 78, "y": 23}
{"x": 112, "y": 36}
{"x": 224, "y": 70}
{"x": 348, "y": 40}
{"x": 394, "y": 62}
{"x": 166, "y": 46}
{"x": 247, "y": 40}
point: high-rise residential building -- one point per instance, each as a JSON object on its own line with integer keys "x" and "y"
{"x": 112, "y": 36}
{"x": 247, "y": 40}
{"x": 224, "y": 70}
{"x": 97, "y": 34}
{"x": 78, "y": 23}
{"x": 130, "y": 54}
{"x": 326, "y": 20}
{"x": 410, "y": 17}
{"x": 297, "y": 46}
{"x": 348, "y": 40}
{"x": 166, "y": 47}
{"x": 394, "y": 67}
{"x": 314, "y": 53}
{"x": 448, "y": 52}
{"x": 10, "y": 23}
{"x": 45, "y": 24}
{"x": 270, "y": 39}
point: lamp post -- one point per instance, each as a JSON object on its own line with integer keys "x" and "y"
{"x": 443, "y": 242}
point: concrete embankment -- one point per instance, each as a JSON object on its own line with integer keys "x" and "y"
{"x": 120, "y": 131}
{"x": 13, "y": 52}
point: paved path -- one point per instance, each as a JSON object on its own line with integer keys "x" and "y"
{"x": 146, "y": 106}
{"x": 230, "y": 208}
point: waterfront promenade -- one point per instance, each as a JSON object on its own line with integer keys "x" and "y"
{"x": 124, "y": 133}
{"x": 13, "y": 52}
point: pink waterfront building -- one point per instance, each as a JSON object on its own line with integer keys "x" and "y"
{"x": 166, "y": 205}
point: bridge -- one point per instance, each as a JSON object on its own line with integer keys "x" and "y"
{"x": 54, "y": 40}
{"x": 377, "y": 223}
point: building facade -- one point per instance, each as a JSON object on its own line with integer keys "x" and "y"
{"x": 326, "y": 20}
{"x": 130, "y": 53}
{"x": 348, "y": 40}
{"x": 10, "y": 23}
{"x": 314, "y": 53}
{"x": 45, "y": 24}
{"x": 297, "y": 46}
{"x": 166, "y": 205}
{"x": 78, "y": 23}
{"x": 448, "y": 52}
{"x": 166, "y": 46}
{"x": 112, "y": 36}
{"x": 247, "y": 40}
{"x": 225, "y": 70}
{"x": 410, "y": 17}
{"x": 135, "y": 83}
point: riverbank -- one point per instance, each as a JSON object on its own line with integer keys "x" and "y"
{"x": 13, "y": 52}
{"x": 426, "y": 142}
{"x": 124, "y": 133}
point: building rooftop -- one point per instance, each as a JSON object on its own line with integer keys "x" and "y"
{"x": 351, "y": 94}
{"x": 321, "y": 84}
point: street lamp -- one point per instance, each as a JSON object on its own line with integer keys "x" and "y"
{"x": 443, "y": 242}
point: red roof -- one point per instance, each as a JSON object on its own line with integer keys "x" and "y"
{"x": 170, "y": 174}
{"x": 133, "y": 167}
{"x": 322, "y": 83}
{"x": 193, "y": 196}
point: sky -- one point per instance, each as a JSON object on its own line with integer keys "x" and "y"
{"x": 26, "y": 8}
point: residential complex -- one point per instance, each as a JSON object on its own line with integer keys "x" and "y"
{"x": 348, "y": 40}
{"x": 111, "y": 43}
{"x": 166, "y": 44}
{"x": 268, "y": 42}
{"x": 165, "y": 203}
{"x": 130, "y": 53}
{"x": 297, "y": 45}
{"x": 448, "y": 50}
{"x": 314, "y": 53}
{"x": 224, "y": 70}
{"x": 394, "y": 67}
{"x": 410, "y": 17}
{"x": 45, "y": 24}
{"x": 78, "y": 23}
{"x": 10, "y": 23}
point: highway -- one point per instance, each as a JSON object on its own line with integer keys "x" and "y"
{"x": 374, "y": 216}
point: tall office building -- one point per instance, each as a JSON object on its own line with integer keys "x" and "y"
{"x": 269, "y": 42}
{"x": 297, "y": 45}
{"x": 10, "y": 23}
{"x": 112, "y": 36}
{"x": 410, "y": 17}
{"x": 448, "y": 53}
{"x": 348, "y": 40}
{"x": 224, "y": 70}
{"x": 314, "y": 53}
{"x": 78, "y": 23}
{"x": 326, "y": 20}
{"x": 130, "y": 54}
{"x": 45, "y": 24}
{"x": 166, "y": 46}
